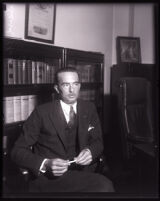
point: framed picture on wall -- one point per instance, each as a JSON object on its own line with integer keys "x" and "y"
{"x": 40, "y": 22}
{"x": 128, "y": 50}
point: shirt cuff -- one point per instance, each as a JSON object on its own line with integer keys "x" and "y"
{"x": 42, "y": 167}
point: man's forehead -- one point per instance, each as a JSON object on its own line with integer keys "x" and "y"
{"x": 68, "y": 75}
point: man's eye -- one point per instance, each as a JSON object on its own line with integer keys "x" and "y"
{"x": 65, "y": 85}
{"x": 76, "y": 83}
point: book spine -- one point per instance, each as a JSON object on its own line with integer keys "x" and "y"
{"x": 8, "y": 110}
{"x": 10, "y": 71}
{"x": 29, "y": 70}
{"x": 24, "y": 107}
{"x": 93, "y": 74}
{"x": 32, "y": 100}
{"x": 90, "y": 74}
{"x": 20, "y": 67}
{"x": 83, "y": 75}
{"x": 16, "y": 71}
{"x": 5, "y": 71}
{"x": 45, "y": 73}
{"x": 17, "y": 108}
{"x": 98, "y": 76}
{"x": 87, "y": 73}
{"x": 33, "y": 72}
{"x": 23, "y": 71}
{"x": 5, "y": 142}
{"x": 52, "y": 74}
{"x": 39, "y": 72}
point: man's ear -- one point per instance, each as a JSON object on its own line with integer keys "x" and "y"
{"x": 56, "y": 88}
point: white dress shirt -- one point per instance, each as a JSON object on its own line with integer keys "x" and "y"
{"x": 66, "y": 109}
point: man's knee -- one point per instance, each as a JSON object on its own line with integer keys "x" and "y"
{"x": 105, "y": 185}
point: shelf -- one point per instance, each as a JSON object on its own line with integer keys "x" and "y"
{"x": 13, "y": 125}
{"x": 20, "y": 48}
{"x": 85, "y": 56}
{"x": 91, "y": 85}
{"x": 26, "y": 89}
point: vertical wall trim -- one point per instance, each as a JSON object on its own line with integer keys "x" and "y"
{"x": 113, "y": 34}
{"x": 131, "y": 20}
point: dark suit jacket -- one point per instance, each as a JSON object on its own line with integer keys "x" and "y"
{"x": 45, "y": 130}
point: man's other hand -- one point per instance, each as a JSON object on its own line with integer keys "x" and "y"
{"x": 57, "y": 166}
{"x": 84, "y": 158}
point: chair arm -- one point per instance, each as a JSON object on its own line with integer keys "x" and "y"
{"x": 24, "y": 173}
{"x": 102, "y": 166}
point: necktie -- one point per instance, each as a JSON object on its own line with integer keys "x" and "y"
{"x": 72, "y": 116}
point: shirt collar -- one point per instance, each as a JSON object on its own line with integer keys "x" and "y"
{"x": 66, "y": 107}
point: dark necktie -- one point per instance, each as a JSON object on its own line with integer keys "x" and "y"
{"x": 72, "y": 117}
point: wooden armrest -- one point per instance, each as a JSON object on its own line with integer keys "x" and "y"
{"x": 102, "y": 165}
{"x": 25, "y": 173}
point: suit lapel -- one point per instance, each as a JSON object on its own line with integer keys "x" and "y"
{"x": 82, "y": 124}
{"x": 58, "y": 119}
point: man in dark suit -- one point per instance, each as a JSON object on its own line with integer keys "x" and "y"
{"x": 66, "y": 139}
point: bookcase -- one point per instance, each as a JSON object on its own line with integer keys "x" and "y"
{"x": 28, "y": 78}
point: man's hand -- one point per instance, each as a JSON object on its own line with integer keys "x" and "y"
{"x": 84, "y": 158}
{"x": 57, "y": 166}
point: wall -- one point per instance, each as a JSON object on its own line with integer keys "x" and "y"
{"x": 144, "y": 27}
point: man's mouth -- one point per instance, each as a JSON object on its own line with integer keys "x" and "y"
{"x": 71, "y": 96}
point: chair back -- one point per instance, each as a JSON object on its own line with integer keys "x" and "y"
{"x": 135, "y": 105}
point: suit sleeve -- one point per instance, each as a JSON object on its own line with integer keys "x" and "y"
{"x": 21, "y": 153}
{"x": 95, "y": 139}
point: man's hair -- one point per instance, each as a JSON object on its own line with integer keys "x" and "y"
{"x": 67, "y": 69}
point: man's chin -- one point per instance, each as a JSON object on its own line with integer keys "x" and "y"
{"x": 71, "y": 101}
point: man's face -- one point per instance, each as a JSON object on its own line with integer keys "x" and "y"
{"x": 68, "y": 87}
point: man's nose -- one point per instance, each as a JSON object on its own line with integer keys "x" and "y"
{"x": 71, "y": 88}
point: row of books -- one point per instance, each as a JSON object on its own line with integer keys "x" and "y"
{"x": 89, "y": 95}
{"x": 23, "y": 71}
{"x": 89, "y": 72}
{"x": 18, "y": 108}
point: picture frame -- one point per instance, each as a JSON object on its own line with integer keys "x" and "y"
{"x": 40, "y": 22}
{"x": 128, "y": 49}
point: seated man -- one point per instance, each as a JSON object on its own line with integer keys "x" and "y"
{"x": 66, "y": 139}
